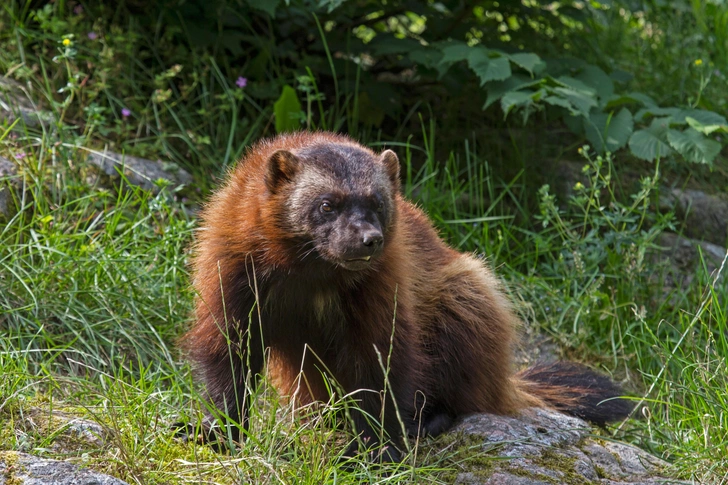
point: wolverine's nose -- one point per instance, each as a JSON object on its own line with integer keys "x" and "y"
{"x": 361, "y": 242}
{"x": 372, "y": 238}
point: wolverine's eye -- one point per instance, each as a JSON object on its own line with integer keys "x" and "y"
{"x": 380, "y": 207}
{"x": 326, "y": 206}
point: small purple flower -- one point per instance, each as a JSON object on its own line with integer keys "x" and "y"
{"x": 78, "y": 9}
{"x": 125, "y": 112}
{"x": 92, "y": 35}
{"x": 20, "y": 155}
{"x": 242, "y": 82}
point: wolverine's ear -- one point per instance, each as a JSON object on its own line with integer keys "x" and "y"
{"x": 282, "y": 167}
{"x": 391, "y": 163}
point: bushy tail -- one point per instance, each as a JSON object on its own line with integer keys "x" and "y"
{"x": 576, "y": 390}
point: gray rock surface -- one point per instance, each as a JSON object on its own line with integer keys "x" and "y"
{"x": 8, "y": 170}
{"x": 545, "y": 447}
{"x": 70, "y": 433}
{"x": 14, "y": 103}
{"x": 23, "y": 469}
{"x": 138, "y": 171}
{"x": 705, "y": 216}
{"x": 682, "y": 259}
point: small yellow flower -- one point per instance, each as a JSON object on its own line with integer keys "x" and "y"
{"x": 66, "y": 42}
{"x": 698, "y": 62}
{"x": 580, "y": 150}
{"x": 579, "y": 186}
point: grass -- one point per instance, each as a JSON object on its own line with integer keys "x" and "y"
{"x": 95, "y": 288}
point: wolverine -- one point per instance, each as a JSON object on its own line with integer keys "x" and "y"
{"x": 311, "y": 264}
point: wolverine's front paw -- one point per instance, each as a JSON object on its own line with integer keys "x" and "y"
{"x": 436, "y": 425}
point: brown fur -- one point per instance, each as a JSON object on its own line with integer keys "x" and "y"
{"x": 453, "y": 334}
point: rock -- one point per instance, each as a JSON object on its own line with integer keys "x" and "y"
{"x": 705, "y": 216}
{"x": 23, "y": 469}
{"x": 546, "y": 447}
{"x": 138, "y": 171}
{"x": 14, "y": 103}
{"x": 498, "y": 478}
{"x": 8, "y": 171}
{"x": 70, "y": 432}
{"x": 533, "y": 428}
{"x": 682, "y": 257}
{"x": 7, "y": 168}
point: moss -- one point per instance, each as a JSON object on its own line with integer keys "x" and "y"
{"x": 553, "y": 459}
{"x": 466, "y": 455}
{"x": 521, "y": 472}
{"x": 10, "y": 458}
{"x": 469, "y": 455}
{"x": 7, "y": 431}
{"x": 601, "y": 472}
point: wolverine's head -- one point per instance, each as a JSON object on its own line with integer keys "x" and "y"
{"x": 339, "y": 199}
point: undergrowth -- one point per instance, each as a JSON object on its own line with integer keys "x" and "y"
{"x": 95, "y": 288}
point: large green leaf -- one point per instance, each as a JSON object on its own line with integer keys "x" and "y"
{"x": 596, "y": 79}
{"x": 496, "y": 89}
{"x": 704, "y": 117}
{"x": 630, "y": 98}
{"x": 559, "y": 101}
{"x": 655, "y": 111}
{"x": 516, "y": 99}
{"x": 692, "y": 145}
{"x": 575, "y": 84}
{"x": 487, "y": 68}
{"x": 528, "y": 61}
{"x": 287, "y": 110}
{"x": 582, "y": 101}
{"x": 704, "y": 129}
{"x": 609, "y": 133}
{"x": 581, "y": 97}
{"x": 651, "y": 143}
{"x": 455, "y": 53}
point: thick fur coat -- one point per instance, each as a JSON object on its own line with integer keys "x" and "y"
{"x": 308, "y": 258}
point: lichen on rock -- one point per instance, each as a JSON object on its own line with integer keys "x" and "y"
{"x": 23, "y": 469}
{"x": 545, "y": 447}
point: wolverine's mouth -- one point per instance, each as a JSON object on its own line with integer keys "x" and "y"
{"x": 356, "y": 264}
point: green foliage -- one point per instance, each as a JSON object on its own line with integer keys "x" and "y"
{"x": 690, "y": 142}
{"x": 80, "y": 286}
{"x": 609, "y": 132}
{"x": 602, "y": 243}
{"x": 711, "y": 17}
{"x": 95, "y": 295}
{"x": 692, "y": 145}
{"x": 287, "y": 110}
{"x": 650, "y": 143}
{"x": 94, "y": 281}
{"x": 373, "y": 63}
